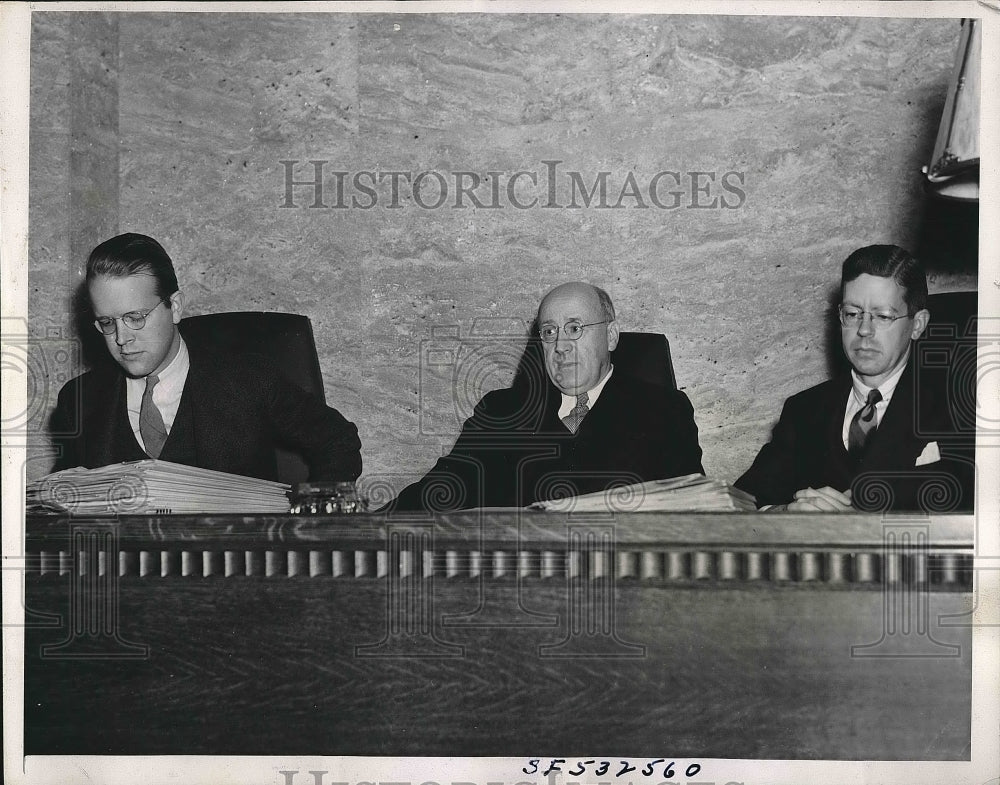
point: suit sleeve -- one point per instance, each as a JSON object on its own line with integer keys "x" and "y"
{"x": 458, "y": 480}
{"x": 64, "y": 427}
{"x": 684, "y": 455}
{"x": 772, "y": 476}
{"x": 327, "y": 441}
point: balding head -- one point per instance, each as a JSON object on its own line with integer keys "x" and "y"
{"x": 575, "y": 366}
{"x": 583, "y": 290}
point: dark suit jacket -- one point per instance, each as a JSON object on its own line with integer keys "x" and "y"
{"x": 232, "y": 413}
{"x": 514, "y": 450}
{"x": 807, "y": 451}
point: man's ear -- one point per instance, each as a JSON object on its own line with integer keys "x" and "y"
{"x": 920, "y": 321}
{"x": 612, "y": 335}
{"x": 177, "y": 306}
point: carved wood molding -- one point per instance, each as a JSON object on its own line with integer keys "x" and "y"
{"x": 723, "y": 550}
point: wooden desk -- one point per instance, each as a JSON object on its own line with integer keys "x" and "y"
{"x": 501, "y": 633}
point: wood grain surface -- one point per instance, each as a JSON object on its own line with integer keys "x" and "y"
{"x": 534, "y": 667}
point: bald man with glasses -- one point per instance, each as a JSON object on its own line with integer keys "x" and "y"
{"x": 584, "y": 427}
{"x": 876, "y": 438}
{"x": 164, "y": 399}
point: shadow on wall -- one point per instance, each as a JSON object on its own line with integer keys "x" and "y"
{"x": 949, "y": 237}
{"x": 92, "y": 350}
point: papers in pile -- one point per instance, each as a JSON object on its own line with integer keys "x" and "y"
{"x": 691, "y": 492}
{"x": 151, "y": 486}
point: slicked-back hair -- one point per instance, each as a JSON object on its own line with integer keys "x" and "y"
{"x": 133, "y": 254}
{"x": 889, "y": 261}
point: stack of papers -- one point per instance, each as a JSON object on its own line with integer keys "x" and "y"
{"x": 691, "y": 492}
{"x": 151, "y": 486}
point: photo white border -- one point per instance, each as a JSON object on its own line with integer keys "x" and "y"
{"x": 15, "y": 26}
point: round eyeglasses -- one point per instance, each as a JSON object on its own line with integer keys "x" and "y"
{"x": 572, "y": 330}
{"x": 134, "y": 320}
{"x": 853, "y": 317}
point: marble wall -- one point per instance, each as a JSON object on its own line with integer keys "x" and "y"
{"x": 809, "y": 134}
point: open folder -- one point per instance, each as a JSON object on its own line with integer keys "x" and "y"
{"x": 153, "y": 486}
{"x": 691, "y": 492}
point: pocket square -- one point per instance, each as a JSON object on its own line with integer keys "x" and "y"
{"x": 929, "y": 455}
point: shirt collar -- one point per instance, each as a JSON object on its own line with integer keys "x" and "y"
{"x": 177, "y": 368}
{"x": 887, "y": 387}
{"x": 569, "y": 401}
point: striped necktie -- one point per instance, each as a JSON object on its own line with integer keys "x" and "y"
{"x": 863, "y": 425}
{"x": 151, "y": 427}
{"x": 577, "y": 413}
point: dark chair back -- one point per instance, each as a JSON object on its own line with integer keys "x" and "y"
{"x": 955, "y": 312}
{"x": 946, "y": 355}
{"x": 285, "y": 338}
{"x": 645, "y": 356}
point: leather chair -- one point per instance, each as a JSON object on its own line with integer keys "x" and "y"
{"x": 645, "y": 356}
{"x": 947, "y": 354}
{"x": 285, "y": 338}
{"x": 954, "y": 311}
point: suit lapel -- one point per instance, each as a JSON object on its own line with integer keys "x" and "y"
{"x": 115, "y": 440}
{"x": 174, "y": 447}
{"x": 836, "y": 406}
{"x": 188, "y": 412}
{"x": 894, "y": 438}
{"x": 839, "y": 463}
{"x": 550, "y": 422}
{"x": 604, "y": 409}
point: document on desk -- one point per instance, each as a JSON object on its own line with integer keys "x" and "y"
{"x": 153, "y": 486}
{"x": 691, "y": 492}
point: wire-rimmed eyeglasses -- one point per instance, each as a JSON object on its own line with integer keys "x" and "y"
{"x": 572, "y": 330}
{"x": 134, "y": 320}
{"x": 850, "y": 316}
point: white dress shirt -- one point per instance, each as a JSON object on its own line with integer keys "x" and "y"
{"x": 569, "y": 401}
{"x": 166, "y": 394}
{"x": 859, "y": 397}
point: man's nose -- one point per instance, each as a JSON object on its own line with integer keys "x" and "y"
{"x": 563, "y": 344}
{"x": 867, "y": 325}
{"x": 122, "y": 333}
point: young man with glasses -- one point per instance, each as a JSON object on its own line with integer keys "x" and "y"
{"x": 164, "y": 399}
{"x": 869, "y": 439}
{"x": 584, "y": 427}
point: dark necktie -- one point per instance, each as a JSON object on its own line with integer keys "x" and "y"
{"x": 151, "y": 427}
{"x": 863, "y": 426}
{"x": 577, "y": 413}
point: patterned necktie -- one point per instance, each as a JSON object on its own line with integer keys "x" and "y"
{"x": 863, "y": 425}
{"x": 577, "y": 413}
{"x": 151, "y": 427}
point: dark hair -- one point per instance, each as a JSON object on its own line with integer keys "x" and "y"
{"x": 889, "y": 261}
{"x": 133, "y": 254}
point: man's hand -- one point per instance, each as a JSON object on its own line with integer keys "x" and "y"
{"x": 825, "y": 499}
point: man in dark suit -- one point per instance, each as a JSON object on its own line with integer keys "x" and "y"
{"x": 165, "y": 399}
{"x": 879, "y": 437}
{"x": 585, "y": 427}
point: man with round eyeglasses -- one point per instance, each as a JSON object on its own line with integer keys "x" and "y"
{"x": 163, "y": 399}
{"x": 570, "y": 423}
{"x": 870, "y": 439}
